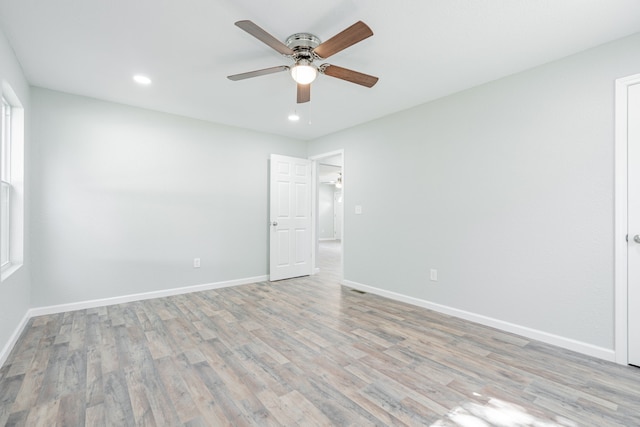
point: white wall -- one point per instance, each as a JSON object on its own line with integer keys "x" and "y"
{"x": 15, "y": 291}
{"x": 506, "y": 189}
{"x": 126, "y": 198}
{"x": 325, "y": 211}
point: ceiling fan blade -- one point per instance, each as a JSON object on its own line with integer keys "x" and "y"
{"x": 264, "y": 37}
{"x": 304, "y": 93}
{"x": 349, "y": 75}
{"x": 348, "y": 37}
{"x": 257, "y": 73}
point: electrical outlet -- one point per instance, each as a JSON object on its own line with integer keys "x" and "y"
{"x": 196, "y": 263}
{"x": 433, "y": 275}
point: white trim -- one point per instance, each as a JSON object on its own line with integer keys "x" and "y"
{"x": 621, "y": 344}
{"x": 15, "y": 178}
{"x": 314, "y": 213}
{"x": 61, "y": 308}
{"x": 568, "y": 343}
{"x": 8, "y": 270}
{"x": 581, "y": 347}
{"x": 4, "y": 354}
{"x": 328, "y": 154}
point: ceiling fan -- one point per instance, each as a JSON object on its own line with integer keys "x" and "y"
{"x": 304, "y": 49}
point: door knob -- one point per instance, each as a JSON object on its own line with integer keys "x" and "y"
{"x": 275, "y": 224}
{"x": 636, "y": 238}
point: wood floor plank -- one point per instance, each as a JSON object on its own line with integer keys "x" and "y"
{"x": 201, "y": 396}
{"x": 53, "y": 379}
{"x": 117, "y": 402}
{"x": 273, "y": 404}
{"x": 337, "y": 399}
{"x": 216, "y": 388}
{"x": 94, "y": 392}
{"x": 43, "y": 414}
{"x": 107, "y": 348}
{"x": 390, "y": 401}
{"x": 302, "y": 411}
{"x": 261, "y": 371}
{"x": 71, "y": 411}
{"x": 145, "y": 383}
{"x": 34, "y": 376}
{"x": 303, "y": 351}
{"x": 94, "y": 416}
{"x": 177, "y": 390}
{"x": 8, "y": 392}
{"x": 140, "y": 405}
{"x": 28, "y": 347}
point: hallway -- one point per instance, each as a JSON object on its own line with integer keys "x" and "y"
{"x": 330, "y": 260}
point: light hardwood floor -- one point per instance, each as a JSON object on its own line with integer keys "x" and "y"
{"x": 299, "y": 352}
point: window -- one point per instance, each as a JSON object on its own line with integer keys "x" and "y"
{"x": 5, "y": 193}
{"x": 12, "y": 184}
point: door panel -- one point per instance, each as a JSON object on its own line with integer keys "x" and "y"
{"x": 290, "y": 209}
{"x": 302, "y": 200}
{"x": 302, "y": 250}
{"x": 282, "y": 236}
{"x": 633, "y": 203}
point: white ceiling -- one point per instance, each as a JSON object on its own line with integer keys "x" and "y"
{"x": 421, "y": 50}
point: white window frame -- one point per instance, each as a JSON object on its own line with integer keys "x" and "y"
{"x": 5, "y": 178}
{"x": 12, "y": 172}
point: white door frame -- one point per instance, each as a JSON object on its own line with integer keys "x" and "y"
{"x": 338, "y": 214}
{"x": 621, "y": 344}
{"x": 314, "y": 205}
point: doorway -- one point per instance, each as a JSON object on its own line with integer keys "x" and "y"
{"x": 329, "y": 214}
{"x": 627, "y": 221}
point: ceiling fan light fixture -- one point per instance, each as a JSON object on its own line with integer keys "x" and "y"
{"x": 304, "y": 73}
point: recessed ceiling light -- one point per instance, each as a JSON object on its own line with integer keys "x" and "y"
{"x": 143, "y": 80}
{"x": 294, "y": 117}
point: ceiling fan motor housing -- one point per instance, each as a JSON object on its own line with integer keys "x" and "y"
{"x": 302, "y": 45}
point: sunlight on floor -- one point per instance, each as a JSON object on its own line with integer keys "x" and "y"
{"x": 497, "y": 412}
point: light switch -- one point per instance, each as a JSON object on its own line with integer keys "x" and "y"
{"x": 358, "y": 210}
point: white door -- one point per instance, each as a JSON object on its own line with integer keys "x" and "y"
{"x": 633, "y": 203}
{"x": 290, "y": 222}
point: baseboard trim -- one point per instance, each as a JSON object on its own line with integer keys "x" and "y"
{"x": 567, "y": 343}
{"x": 81, "y": 305}
{"x": 4, "y": 355}
{"x": 61, "y": 308}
